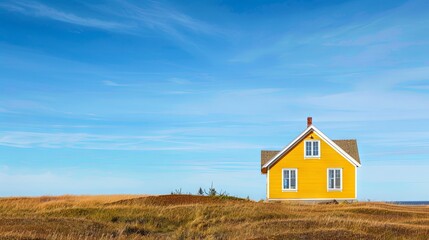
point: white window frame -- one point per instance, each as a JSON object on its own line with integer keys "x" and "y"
{"x": 296, "y": 180}
{"x": 341, "y": 183}
{"x": 305, "y": 149}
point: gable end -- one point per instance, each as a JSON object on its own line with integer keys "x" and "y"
{"x": 349, "y": 145}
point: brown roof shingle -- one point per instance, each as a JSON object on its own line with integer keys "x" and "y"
{"x": 348, "y": 145}
{"x": 266, "y": 155}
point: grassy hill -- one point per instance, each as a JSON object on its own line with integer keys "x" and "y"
{"x": 199, "y": 217}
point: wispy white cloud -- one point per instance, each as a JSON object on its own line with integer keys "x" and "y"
{"x": 113, "y": 142}
{"x": 390, "y": 79}
{"x": 40, "y": 10}
{"x": 252, "y": 91}
{"x": 115, "y": 84}
{"x": 179, "y": 81}
{"x": 16, "y": 105}
{"x": 418, "y": 87}
{"x": 18, "y": 182}
{"x": 129, "y": 18}
{"x": 159, "y": 16}
{"x": 370, "y": 106}
{"x": 178, "y": 92}
{"x": 378, "y": 95}
{"x": 383, "y": 36}
{"x": 365, "y": 41}
{"x": 72, "y": 140}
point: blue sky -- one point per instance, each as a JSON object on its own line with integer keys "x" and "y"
{"x": 148, "y": 97}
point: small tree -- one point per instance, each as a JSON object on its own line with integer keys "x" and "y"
{"x": 200, "y": 192}
{"x": 177, "y": 192}
{"x": 212, "y": 191}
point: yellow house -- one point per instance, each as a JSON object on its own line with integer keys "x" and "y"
{"x": 312, "y": 167}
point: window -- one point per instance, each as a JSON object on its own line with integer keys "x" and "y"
{"x": 290, "y": 179}
{"x": 335, "y": 179}
{"x": 312, "y": 148}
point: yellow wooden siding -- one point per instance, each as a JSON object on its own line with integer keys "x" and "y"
{"x": 312, "y": 173}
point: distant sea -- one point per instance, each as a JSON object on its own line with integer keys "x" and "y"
{"x": 410, "y": 202}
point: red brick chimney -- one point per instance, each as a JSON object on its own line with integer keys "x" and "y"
{"x": 309, "y": 121}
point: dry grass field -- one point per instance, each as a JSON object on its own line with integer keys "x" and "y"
{"x": 200, "y": 217}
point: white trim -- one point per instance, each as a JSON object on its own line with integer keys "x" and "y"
{"x": 309, "y": 199}
{"x": 311, "y": 149}
{"x": 341, "y": 181}
{"x": 356, "y": 182}
{"x": 323, "y": 137}
{"x": 268, "y": 184}
{"x": 296, "y": 180}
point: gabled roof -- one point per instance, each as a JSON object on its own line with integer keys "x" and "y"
{"x": 348, "y": 145}
{"x": 351, "y": 155}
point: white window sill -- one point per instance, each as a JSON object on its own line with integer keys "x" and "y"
{"x": 289, "y": 190}
{"x": 311, "y": 157}
{"x": 335, "y": 190}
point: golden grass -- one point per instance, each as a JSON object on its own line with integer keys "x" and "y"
{"x": 193, "y": 217}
